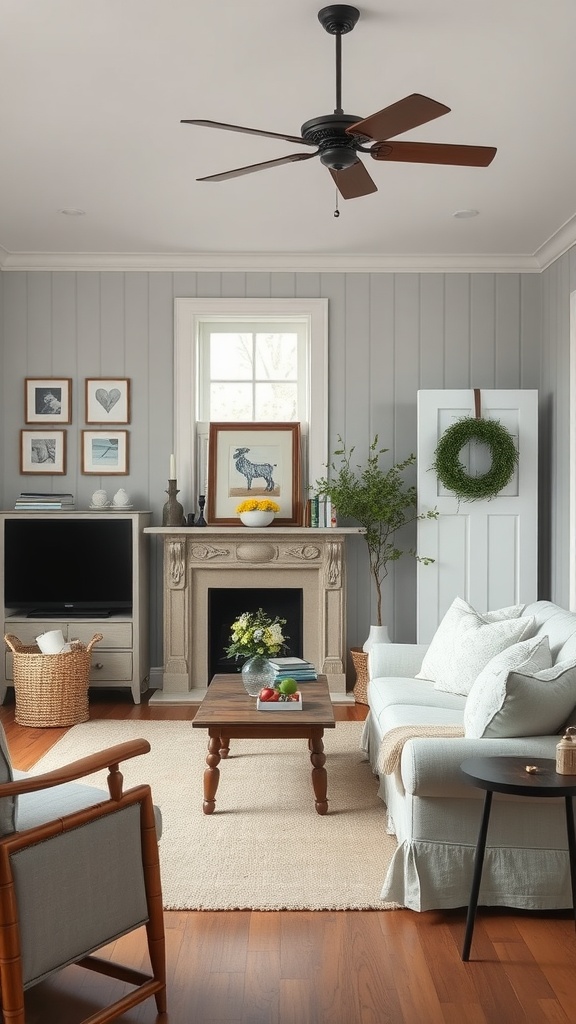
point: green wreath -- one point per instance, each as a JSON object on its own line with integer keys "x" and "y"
{"x": 454, "y": 475}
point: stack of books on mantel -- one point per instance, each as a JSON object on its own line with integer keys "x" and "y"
{"x": 39, "y": 501}
{"x": 293, "y": 668}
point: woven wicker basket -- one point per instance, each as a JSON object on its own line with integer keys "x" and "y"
{"x": 360, "y": 662}
{"x": 50, "y": 689}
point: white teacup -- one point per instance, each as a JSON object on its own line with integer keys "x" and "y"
{"x": 51, "y": 642}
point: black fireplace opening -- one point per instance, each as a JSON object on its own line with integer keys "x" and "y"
{"x": 225, "y": 605}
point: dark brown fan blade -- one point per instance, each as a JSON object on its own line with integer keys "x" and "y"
{"x": 434, "y": 153}
{"x": 250, "y": 131}
{"x": 258, "y": 167}
{"x": 354, "y": 181}
{"x": 399, "y": 117}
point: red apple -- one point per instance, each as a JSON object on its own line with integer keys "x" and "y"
{"x": 266, "y": 693}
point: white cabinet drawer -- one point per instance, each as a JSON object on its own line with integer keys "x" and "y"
{"x": 105, "y": 667}
{"x": 110, "y": 666}
{"x": 116, "y": 634}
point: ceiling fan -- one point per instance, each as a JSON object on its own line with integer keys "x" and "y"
{"x": 340, "y": 137}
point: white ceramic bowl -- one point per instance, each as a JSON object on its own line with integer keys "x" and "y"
{"x": 257, "y": 518}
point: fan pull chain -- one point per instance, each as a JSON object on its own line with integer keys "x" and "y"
{"x": 336, "y": 211}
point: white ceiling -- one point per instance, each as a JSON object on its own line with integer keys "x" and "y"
{"x": 93, "y": 92}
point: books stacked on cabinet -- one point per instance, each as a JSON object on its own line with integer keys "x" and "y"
{"x": 319, "y": 512}
{"x": 293, "y": 668}
{"x": 40, "y": 501}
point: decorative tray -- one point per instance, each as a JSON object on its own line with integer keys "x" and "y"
{"x": 280, "y": 705}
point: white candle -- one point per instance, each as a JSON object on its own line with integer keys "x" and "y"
{"x": 172, "y": 467}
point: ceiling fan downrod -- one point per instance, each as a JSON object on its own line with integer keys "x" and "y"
{"x": 338, "y": 19}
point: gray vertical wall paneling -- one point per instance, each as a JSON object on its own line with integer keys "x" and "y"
{"x": 39, "y": 336}
{"x": 442, "y": 318}
{"x": 358, "y": 368}
{"x": 457, "y": 331}
{"x": 406, "y": 381}
{"x": 65, "y": 362}
{"x": 507, "y": 327}
{"x": 233, "y": 285}
{"x": 559, "y": 382}
{"x": 482, "y": 331}
{"x": 112, "y": 346}
{"x": 15, "y": 370}
{"x": 432, "y": 326}
{"x": 381, "y": 400}
{"x": 160, "y": 439}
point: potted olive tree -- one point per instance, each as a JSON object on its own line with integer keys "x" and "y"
{"x": 381, "y": 502}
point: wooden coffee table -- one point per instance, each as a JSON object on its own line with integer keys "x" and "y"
{"x": 229, "y": 713}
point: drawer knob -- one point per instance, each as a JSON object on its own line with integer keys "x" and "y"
{"x": 98, "y": 665}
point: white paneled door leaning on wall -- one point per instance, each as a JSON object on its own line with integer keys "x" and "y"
{"x": 485, "y": 551}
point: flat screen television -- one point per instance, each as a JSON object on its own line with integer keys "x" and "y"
{"x": 68, "y": 567}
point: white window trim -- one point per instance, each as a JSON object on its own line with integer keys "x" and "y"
{"x": 188, "y": 313}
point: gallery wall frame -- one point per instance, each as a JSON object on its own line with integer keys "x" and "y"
{"x": 105, "y": 452}
{"x": 43, "y": 451}
{"x": 48, "y": 400}
{"x": 107, "y": 399}
{"x": 254, "y": 460}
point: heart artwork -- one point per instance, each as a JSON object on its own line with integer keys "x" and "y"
{"x": 107, "y": 399}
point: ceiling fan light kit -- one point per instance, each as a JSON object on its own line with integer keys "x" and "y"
{"x": 340, "y": 137}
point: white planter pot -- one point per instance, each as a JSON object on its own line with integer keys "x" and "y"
{"x": 377, "y": 635}
{"x": 257, "y": 518}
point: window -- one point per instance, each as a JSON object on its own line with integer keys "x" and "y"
{"x": 248, "y": 360}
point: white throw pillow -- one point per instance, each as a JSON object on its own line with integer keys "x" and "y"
{"x": 465, "y": 641}
{"x": 493, "y": 709}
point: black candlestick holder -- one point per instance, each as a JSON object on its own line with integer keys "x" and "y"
{"x": 173, "y": 511}
{"x": 201, "y": 503}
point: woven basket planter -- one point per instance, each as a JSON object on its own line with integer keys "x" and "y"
{"x": 50, "y": 689}
{"x": 360, "y": 662}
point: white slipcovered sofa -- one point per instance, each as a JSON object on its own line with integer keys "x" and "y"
{"x": 515, "y": 705}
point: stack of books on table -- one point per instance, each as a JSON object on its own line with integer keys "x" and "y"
{"x": 39, "y": 501}
{"x": 294, "y": 668}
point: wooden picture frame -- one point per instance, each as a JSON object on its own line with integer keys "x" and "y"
{"x": 105, "y": 452}
{"x": 107, "y": 400}
{"x": 48, "y": 400}
{"x": 273, "y": 446}
{"x": 43, "y": 451}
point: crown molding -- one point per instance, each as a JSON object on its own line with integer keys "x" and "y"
{"x": 319, "y": 263}
{"x": 557, "y": 244}
{"x": 313, "y": 263}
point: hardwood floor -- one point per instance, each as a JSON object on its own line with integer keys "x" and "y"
{"x": 347, "y": 967}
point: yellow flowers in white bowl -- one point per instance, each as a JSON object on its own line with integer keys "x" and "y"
{"x": 257, "y": 511}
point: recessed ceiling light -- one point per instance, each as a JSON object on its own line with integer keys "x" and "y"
{"x": 464, "y": 214}
{"x": 73, "y": 212}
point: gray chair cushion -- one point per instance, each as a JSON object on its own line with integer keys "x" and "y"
{"x": 8, "y": 805}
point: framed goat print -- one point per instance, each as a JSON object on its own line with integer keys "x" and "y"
{"x": 254, "y": 460}
{"x": 105, "y": 452}
{"x": 107, "y": 400}
{"x": 43, "y": 451}
{"x": 48, "y": 400}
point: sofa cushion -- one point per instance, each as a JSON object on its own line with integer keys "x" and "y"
{"x": 490, "y": 706}
{"x": 535, "y": 703}
{"x": 465, "y": 641}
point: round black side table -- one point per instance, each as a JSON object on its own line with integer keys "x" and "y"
{"x": 509, "y": 775}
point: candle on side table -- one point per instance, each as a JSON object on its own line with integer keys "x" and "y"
{"x": 172, "y": 474}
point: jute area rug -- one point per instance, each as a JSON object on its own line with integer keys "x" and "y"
{"x": 265, "y": 847}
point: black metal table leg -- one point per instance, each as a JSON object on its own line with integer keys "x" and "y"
{"x": 477, "y": 877}
{"x": 571, "y": 849}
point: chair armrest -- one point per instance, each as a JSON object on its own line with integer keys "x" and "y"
{"x": 430, "y": 766}
{"x": 109, "y": 758}
{"x": 395, "y": 660}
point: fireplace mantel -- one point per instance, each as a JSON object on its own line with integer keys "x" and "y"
{"x": 197, "y": 558}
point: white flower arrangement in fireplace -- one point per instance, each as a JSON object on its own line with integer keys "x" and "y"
{"x": 256, "y": 633}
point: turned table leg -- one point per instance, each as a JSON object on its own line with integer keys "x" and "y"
{"x": 319, "y": 777}
{"x": 211, "y": 774}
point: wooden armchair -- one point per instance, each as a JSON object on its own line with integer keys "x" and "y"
{"x": 78, "y": 868}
